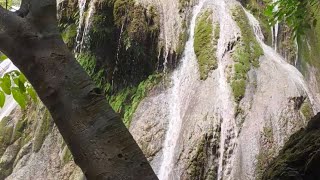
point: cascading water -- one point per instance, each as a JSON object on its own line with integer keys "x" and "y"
{"x": 228, "y": 134}
{"x": 182, "y": 80}
{"x": 85, "y": 22}
{"x": 275, "y": 30}
{"x": 293, "y": 72}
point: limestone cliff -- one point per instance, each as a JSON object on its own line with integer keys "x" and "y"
{"x": 198, "y": 83}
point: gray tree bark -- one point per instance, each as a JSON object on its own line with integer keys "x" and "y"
{"x": 99, "y": 141}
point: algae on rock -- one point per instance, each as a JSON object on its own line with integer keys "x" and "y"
{"x": 205, "y": 43}
{"x": 246, "y": 55}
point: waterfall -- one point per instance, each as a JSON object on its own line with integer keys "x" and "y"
{"x": 182, "y": 79}
{"x": 275, "y": 30}
{"x": 293, "y": 72}
{"x": 85, "y": 22}
{"x": 228, "y": 134}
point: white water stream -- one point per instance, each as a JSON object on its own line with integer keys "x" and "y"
{"x": 275, "y": 30}
{"x": 182, "y": 80}
{"x": 293, "y": 72}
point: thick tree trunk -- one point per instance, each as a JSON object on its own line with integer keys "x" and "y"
{"x": 100, "y": 143}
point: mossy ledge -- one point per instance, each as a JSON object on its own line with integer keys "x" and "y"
{"x": 300, "y": 156}
{"x": 246, "y": 55}
{"x": 205, "y": 43}
{"x": 126, "y": 101}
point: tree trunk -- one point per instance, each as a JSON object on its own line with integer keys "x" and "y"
{"x": 99, "y": 141}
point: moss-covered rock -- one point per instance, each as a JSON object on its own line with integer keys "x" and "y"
{"x": 205, "y": 43}
{"x": 267, "y": 152}
{"x": 6, "y": 130}
{"x": 246, "y": 55}
{"x": 7, "y": 159}
{"x": 66, "y": 155}
{"x": 306, "y": 110}
{"x": 43, "y": 129}
{"x": 309, "y": 45}
{"x": 126, "y": 101}
{"x": 300, "y": 156}
{"x": 257, "y": 8}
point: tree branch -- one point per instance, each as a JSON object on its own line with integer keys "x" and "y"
{"x": 9, "y": 21}
{"x": 24, "y": 8}
{"x": 6, "y": 43}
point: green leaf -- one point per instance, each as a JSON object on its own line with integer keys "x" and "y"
{"x": 19, "y": 97}
{"x": 32, "y": 93}
{"x": 3, "y": 57}
{"x": 2, "y": 98}
{"x": 5, "y": 84}
{"x": 22, "y": 78}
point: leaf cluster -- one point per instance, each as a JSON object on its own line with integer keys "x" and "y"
{"x": 15, "y": 83}
{"x": 298, "y": 14}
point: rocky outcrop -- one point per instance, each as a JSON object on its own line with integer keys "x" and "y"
{"x": 35, "y": 148}
{"x": 299, "y": 158}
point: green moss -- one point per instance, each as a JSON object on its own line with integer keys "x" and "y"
{"x": 43, "y": 129}
{"x": 183, "y": 4}
{"x": 183, "y": 37}
{"x": 69, "y": 34}
{"x": 299, "y": 158}
{"x": 246, "y": 55}
{"x": 238, "y": 88}
{"x": 309, "y": 45}
{"x": 205, "y": 43}
{"x": 6, "y": 130}
{"x": 126, "y": 101}
{"x": 66, "y": 155}
{"x": 88, "y": 62}
{"x": 19, "y": 128}
{"x": 197, "y": 164}
{"x": 306, "y": 110}
{"x": 257, "y": 8}
{"x": 266, "y": 154}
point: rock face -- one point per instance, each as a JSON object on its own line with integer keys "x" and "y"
{"x": 200, "y": 91}
{"x": 299, "y": 158}
{"x": 35, "y": 149}
{"x": 220, "y": 136}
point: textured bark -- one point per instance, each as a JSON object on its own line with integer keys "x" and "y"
{"x": 100, "y": 143}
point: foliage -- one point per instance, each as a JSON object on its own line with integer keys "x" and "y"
{"x": 299, "y": 15}
{"x": 205, "y": 41}
{"x": 3, "y": 57}
{"x": 15, "y": 83}
{"x": 246, "y": 55}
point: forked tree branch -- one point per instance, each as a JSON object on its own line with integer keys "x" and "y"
{"x": 24, "y": 8}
